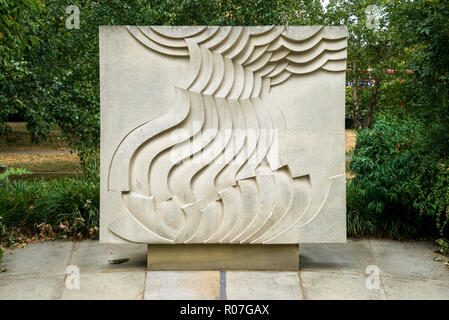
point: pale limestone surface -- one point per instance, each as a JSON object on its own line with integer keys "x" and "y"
{"x": 241, "y": 285}
{"x": 93, "y": 257}
{"x": 183, "y": 285}
{"x": 417, "y": 260}
{"x": 40, "y": 288}
{"x": 413, "y": 289}
{"x": 222, "y": 134}
{"x": 48, "y": 258}
{"x": 108, "y": 286}
{"x": 338, "y": 286}
{"x": 406, "y": 269}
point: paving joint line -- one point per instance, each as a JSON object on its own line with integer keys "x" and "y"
{"x": 303, "y": 295}
{"x": 111, "y": 271}
{"x": 223, "y": 295}
{"x": 380, "y": 273}
{"x": 347, "y": 272}
{"x": 144, "y": 285}
{"x": 72, "y": 250}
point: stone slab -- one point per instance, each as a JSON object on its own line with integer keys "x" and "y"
{"x": 414, "y": 289}
{"x": 182, "y": 285}
{"x": 337, "y": 286}
{"x": 223, "y": 257}
{"x": 92, "y": 256}
{"x": 408, "y": 259}
{"x": 354, "y": 256}
{"x": 241, "y": 285}
{"x": 222, "y": 135}
{"x": 108, "y": 286}
{"x": 40, "y": 288}
{"x": 38, "y": 258}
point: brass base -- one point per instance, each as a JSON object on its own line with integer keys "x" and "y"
{"x": 223, "y": 257}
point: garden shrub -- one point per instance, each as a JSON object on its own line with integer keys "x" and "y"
{"x": 398, "y": 188}
{"x": 63, "y": 206}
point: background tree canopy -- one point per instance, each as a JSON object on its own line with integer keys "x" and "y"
{"x": 50, "y": 77}
{"x": 50, "y": 74}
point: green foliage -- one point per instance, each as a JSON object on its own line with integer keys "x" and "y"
{"x": 50, "y": 74}
{"x": 14, "y": 172}
{"x": 425, "y": 32}
{"x": 401, "y": 165}
{"x": 397, "y": 190}
{"x": 371, "y": 51}
{"x": 444, "y": 244}
{"x": 392, "y": 96}
{"x": 69, "y": 205}
{"x": 432, "y": 183}
{"x": 383, "y": 164}
{"x": 16, "y": 40}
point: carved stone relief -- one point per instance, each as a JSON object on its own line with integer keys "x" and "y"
{"x": 222, "y": 134}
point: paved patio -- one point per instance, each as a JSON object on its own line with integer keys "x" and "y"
{"x": 406, "y": 271}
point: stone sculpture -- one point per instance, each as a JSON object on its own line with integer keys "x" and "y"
{"x": 222, "y": 135}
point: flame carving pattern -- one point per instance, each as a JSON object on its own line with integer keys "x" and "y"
{"x": 227, "y": 183}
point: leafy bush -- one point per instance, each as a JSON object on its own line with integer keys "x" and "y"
{"x": 64, "y": 206}
{"x": 50, "y": 74}
{"x": 398, "y": 189}
{"x": 14, "y": 172}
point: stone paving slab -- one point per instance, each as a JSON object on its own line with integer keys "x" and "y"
{"x": 414, "y": 289}
{"x": 182, "y": 285}
{"x": 246, "y": 285}
{"x": 407, "y": 271}
{"x": 353, "y": 256}
{"x": 337, "y": 286}
{"x": 108, "y": 286}
{"x": 41, "y": 288}
{"x": 92, "y": 256}
{"x": 47, "y": 258}
{"x": 408, "y": 259}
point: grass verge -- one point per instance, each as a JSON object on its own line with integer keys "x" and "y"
{"x": 39, "y": 209}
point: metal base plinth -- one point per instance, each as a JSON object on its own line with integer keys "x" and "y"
{"x": 223, "y": 257}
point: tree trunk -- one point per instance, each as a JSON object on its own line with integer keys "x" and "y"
{"x": 355, "y": 99}
{"x": 356, "y": 107}
{"x": 372, "y": 105}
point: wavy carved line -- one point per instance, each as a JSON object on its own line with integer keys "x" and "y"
{"x": 165, "y": 159}
{"x": 254, "y": 53}
{"x": 211, "y": 217}
{"x": 301, "y": 200}
{"x": 198, "y": 147}
{"x": 118, "y": 179}
{"x": 207, "y": 182}
{"x": 239, "y": 66}
{"x": 284, "y": 200}
{"x": 231, "y": 199}
{"x": 170, "y": 32}
{"x": 266, "y": 186}
{"x": 182, "y": 178}
{"x": 143, "y": 157}
{"x": 228, "y": 175}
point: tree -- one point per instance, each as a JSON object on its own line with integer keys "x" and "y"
{"x": 371, "y": 50}
{"x": 401, "y": 165}
{"x": 50, "y": 73}
{"x": 16, "y": 41}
